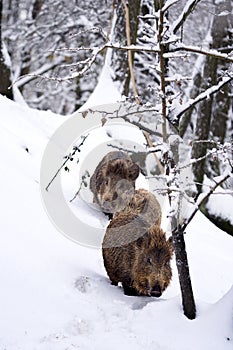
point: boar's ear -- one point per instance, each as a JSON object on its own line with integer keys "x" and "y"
{"x": 139, "y": 242}
{"x": 170, "y": 244}
{"x": 133, "y": 171}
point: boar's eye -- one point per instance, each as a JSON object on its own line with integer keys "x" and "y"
{"x": 106, "y": 181}
{"x": 149, "y": 261}
{"x": 114, "y": 197}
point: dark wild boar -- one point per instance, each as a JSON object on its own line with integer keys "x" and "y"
{"x": 135, "y": 249}
{"x": 113, "y": 181}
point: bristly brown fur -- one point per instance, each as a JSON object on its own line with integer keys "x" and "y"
{"x": 135, "y": 249}
{"x": 113, "y": 181}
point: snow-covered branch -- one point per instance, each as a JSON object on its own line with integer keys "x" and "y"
{"x": 168, "y": 4}
{"x": 197, "y": 50}
{"x": 204, "y": 198}
{"x": 127, "y": 118}
{"x": 95, "y": 51}
{"x": 189, "y": 7}
{"x": 28, "y": 77}
{"x": 204, "y": 95}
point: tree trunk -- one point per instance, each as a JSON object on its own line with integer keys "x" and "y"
{"x": 223, "y": 99}
{"x": 212, "y": 115}
{"x": 36, "y": 8}
{"x": 182, "y": 265}
{"x": 185, "y": 120}
{"x": 120, "y": 58}
{"x": 199, "y": 149}
{"x": 4, "y": 69}
{"x": 183, "y": 273}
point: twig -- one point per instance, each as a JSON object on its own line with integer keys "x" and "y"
{"x": 83, "y": 182}
{"x": 75, "y": 149}
{"x": 77, "y": 193}
{"x": 198, "y": 50}
{"x": 115, "y": 115}
{"x": 93, "y": 30}
{"x": 24, "y": 79}
{"x": 119, "y": 148}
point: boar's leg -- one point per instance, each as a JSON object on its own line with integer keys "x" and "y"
{"x": 129, "y": 290}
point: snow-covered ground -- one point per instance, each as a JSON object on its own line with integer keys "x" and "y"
{"x": 55, "y": 294}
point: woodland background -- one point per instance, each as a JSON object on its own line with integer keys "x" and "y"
{"x": 53, "y": 52}
{"x": 172, "y": 58}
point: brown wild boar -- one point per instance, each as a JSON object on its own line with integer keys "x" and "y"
{"x": 113, "y": 181}
{"x": 135, "y": 249}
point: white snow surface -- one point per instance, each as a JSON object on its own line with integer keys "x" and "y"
{"x": 55, "y": 294}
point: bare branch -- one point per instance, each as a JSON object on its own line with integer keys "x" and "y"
{"x": 211, "y": 152}
{"x": 93, "y": 30}
{"x": 87, "y": 65}
{"x": 142, "y": 48}
{"x": 95, "y": 51}
{"x": 83, "y": 182}
{"x": 67, "y": 158}
{"x": 197, "y": 50}
{"x": 204, "y": 95}
{"x": 189, "y": 7}
{"x": 21, "y": 81}
{"x": 126, "y": 117}
{"x": 168, "y": 4}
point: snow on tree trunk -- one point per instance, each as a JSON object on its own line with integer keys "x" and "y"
{"x": 182, "y": 265}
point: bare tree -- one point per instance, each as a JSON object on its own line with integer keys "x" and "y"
{"x": 213, "y": 114}
{"x": 34, "y": 29}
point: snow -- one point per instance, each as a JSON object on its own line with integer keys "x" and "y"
{"x": 105, "y": 91}
{"x": 220, "y": 203}
{"x": 55, "y": 294}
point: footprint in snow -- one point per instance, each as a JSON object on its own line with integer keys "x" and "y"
{"x": 83, "y": 284}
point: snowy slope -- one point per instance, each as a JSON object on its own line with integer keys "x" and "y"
{"x": 54, "y": 293}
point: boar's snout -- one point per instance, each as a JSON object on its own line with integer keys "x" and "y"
{"x": 156, "y": 291}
